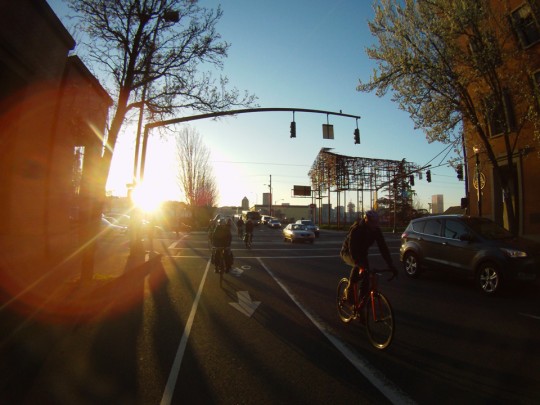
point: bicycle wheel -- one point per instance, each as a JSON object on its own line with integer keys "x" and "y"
{"x": 345, "y": 310}
{"x": 221, "y": 267}
{"x": 379, "y": 321}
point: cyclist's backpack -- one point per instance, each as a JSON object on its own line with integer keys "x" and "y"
{"x": 345, "y": 252}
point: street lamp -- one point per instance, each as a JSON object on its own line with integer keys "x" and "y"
{"x": 476, "y": 151}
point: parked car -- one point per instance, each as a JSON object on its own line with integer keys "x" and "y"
{"x": 124, "y": 221}
{"x": 298, "y": 233}
{"x": 108, "y": 229}
{"x": 274, "y": 223}
{"x": 310, "y": 225}
{"x": 265, "y": 219}
{"x": 475, "y": 246}
{"x": 118, "y": 219}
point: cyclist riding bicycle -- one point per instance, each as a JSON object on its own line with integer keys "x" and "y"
{"x": 240, "y": 227}
{"x": 221, "y": 238}
{"x": 249, "y": 231}
{"x": 362, "y": 235}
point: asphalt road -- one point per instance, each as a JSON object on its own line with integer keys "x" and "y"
{"x": 270, "y": 334}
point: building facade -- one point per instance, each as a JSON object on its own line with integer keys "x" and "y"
{"x": 511, "y": 135}
{"x": 52, "y": 118}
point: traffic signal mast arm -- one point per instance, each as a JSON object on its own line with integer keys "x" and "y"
{"x": 243, "y": 111}
{"x": 157, "y": 124}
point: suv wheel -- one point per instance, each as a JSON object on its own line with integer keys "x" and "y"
{"x": 411, "y": 265}
{"x": 488, "y": 278}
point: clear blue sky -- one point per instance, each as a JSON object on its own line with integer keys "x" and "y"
{"x": 301, "y": 54}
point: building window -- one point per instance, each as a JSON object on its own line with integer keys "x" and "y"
{"x": 77, "y": 169}
{"x": 500, "y": 114}
{"x": 76, "y": 179}
{"x": 526, "y": 25}
{"x": 536, "y": 78}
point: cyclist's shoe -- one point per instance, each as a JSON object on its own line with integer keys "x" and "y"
{"x": 227, "y": 269}
{"x": 216, "y": 270}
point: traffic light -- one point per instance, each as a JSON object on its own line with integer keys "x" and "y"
{"x": 356, "y": 136}
{"x": 293, "y": 129}
{"x": 428, "y": 176}
{"x": 411, "y": 180}
{"x": 459, "y": 171}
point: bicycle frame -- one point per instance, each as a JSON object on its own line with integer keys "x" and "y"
{"x": 360, "y": 302}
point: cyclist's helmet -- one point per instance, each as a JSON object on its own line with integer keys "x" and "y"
{"x": 372, "y": 217}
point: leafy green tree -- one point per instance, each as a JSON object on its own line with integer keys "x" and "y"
{"x": 455, "y": 65}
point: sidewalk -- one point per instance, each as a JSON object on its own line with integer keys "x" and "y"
{"x": 35, "y": 327}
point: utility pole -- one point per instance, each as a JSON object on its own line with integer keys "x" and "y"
{"x": 270, "y": 199}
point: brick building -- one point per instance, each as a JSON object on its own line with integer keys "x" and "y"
{"x": 516, "y": 24}
{"x": 52, "y": 117}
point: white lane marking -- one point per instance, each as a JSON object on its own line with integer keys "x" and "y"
{"x": 529, "y": 315}
{"x": 392, "y": 392}
{"x": 175, "y": 369}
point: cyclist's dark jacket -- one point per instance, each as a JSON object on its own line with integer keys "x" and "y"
{"x": 249, "y": 227}
{"x": 361, "y": 240}
{"x": 222, "y": 236}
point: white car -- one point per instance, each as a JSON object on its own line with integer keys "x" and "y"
{"x": 274, "y": 223}
{"x": 310, "y": 225}
{"x": 108, "y": 229}
{"x": 298, "y": 233}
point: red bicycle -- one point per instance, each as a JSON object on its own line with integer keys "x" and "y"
{"x": 373, "y": 309}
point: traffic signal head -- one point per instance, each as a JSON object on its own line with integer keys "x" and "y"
{"x": 459, "y": 171}
{"x": 411, "y": 180}
{"x": 356, "y": 136}
{"x": 293, "y": 129}
{"x": 428, "y": 176}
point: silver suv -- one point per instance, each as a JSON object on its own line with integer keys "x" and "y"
{"x": 476, "y": 246}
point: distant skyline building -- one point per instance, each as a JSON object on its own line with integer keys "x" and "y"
{"x": 245, "y": 204}
{"x": 267, "y": 199}
{"x": 437, "y": 204}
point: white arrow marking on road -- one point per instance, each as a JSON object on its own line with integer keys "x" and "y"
{"x": 237, "y": 272}
{"x": 244, "y": 304}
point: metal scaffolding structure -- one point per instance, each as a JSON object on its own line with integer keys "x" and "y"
{"x": 334, "y": 173}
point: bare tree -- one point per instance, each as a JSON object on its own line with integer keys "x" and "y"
{"x": 151, "y": 52}
{"x": 454, "y": 65}
{"x": 195, "y": 175}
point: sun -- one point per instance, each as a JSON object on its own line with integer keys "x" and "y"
{"x": 148, "y": 197}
